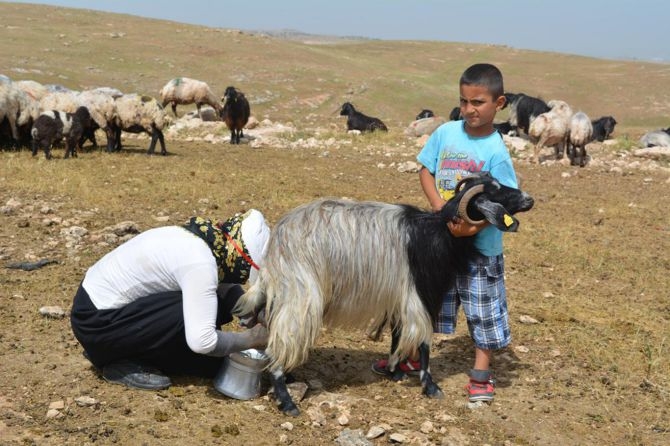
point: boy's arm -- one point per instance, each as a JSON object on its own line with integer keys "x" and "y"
{"x": 427, "y": 180}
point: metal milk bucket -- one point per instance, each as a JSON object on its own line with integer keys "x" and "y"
{"x": 240, "y": 374}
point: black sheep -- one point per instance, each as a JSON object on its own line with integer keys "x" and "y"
{"x": 425, "y": 113}
{"x": 358, "y": 121}
{"x": 603, "y": 128}
{"x": 235, "y": 113}
{"x": 52, "y": 126}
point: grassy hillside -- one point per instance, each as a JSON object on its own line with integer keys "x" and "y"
{"x": 289, "y": 80}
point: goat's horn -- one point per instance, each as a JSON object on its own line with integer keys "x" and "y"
{"x": 463, "y": 205}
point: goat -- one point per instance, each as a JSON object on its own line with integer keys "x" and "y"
{"x": 51, "y": 126}
{"x": 455, "y": 114}
{"x": 523, "y": 109}
{"x": 425, "y": 113}
{"x": 551, "y": 129}
{"x": 580, "y": 133}
{"x": 504, "y": 128}
{"x": 603, "y": 128}
{"x": 655, "y": 138}
{"x": 343, "y": 263}
{"x": 235, "y": 113}
{"x": 358, "y": 121}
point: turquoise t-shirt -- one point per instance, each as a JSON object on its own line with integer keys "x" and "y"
{"x": 450, "y": 154}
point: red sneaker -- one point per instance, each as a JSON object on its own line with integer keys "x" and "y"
{"x": 408, "y": 366}
{"x": 480, "y": 391}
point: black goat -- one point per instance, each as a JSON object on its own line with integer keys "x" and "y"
{"x": 523, "y": 109}
{"x": 425, "y": 113}
{"x": 358, "y": 121}
{"x": 603, "y": 128}
{"x": 455, "y": 114}
{"x": 52, "y": 126}
{"x": 235, "y": 113}
{"x": 504, "y": 128}
{"x": 402, "y": 262}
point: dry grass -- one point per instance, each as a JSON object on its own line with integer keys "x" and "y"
{"x": 590, "y": 261}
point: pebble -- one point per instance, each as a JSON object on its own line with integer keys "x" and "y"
{"x": 525, "y": 319}
{"x": 54, "y": 312}
{"x": 375, "y": 432}
{"x": 398, "y": 438}
{"x": 85, "y": 401}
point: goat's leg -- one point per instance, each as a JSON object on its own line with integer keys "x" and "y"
{"x": 582, "y": 156}
{"x": 286, "y": 404}
{"x": 154, "y": 139}
{"x": 429, "y": 388}
{"x": 174, "y": 109}
{"x": 395, "y": 373}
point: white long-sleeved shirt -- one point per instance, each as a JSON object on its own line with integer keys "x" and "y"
{"x": 169, "y": 258}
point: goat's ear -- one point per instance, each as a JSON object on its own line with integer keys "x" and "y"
{"x": 497, "y": 215}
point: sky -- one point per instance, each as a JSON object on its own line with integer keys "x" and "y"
{"x": 614, "y": 29}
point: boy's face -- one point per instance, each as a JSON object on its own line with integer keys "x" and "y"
{"x": 478, "y": 108}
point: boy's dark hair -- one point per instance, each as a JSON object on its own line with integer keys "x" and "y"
{"x": 486, "y": 75}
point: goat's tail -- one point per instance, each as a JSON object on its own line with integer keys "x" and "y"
{"x": 34, "y": 133}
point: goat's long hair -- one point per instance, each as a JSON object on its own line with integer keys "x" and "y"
{"x": 342, "y": 263}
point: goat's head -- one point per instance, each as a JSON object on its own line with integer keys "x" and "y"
{"x": 425, "y": 113}
{"x": 229, "y": 94}
{"x": 347, "y": 109}
{"x": 480, "y": 198}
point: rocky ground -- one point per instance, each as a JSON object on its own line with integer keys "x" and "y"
{"x": 587, "y": 366}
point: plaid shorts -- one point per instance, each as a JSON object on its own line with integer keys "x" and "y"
{"x": 482, "y": 293}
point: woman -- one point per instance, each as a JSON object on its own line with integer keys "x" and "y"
{"x": 153, "y": 305}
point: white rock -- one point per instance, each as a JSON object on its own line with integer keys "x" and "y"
{"x": 525, "y": 319}
{"x": 375, "y": 432}
{"x": 397, "y": 438}
{"x": 53, "y": 311}
{"x": 521, "y": 349}
{"x": 85, "y": 401}
{"x": 287, "y": 426}
{"x": 343, "y": 420}
{"x": 426, "y": 427}
{"x": 58, "y": 405}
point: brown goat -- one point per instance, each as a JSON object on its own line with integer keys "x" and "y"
{"x": 235, "y": 113}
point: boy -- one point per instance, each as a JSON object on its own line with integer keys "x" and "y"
{"x": 456, "y": 150}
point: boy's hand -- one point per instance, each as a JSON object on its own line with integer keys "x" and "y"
{"x": 461, "y": 228}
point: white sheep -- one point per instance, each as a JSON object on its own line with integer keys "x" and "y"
{"x": 135, "y": 114}
{"x": 18, "y": 108}
{"x": 184, "y": 90}
{"x": 32, "y": 88}
{"x": 550, "y": 129}
{"x": 579, "y": 134}
{"x": 656, "y": 138}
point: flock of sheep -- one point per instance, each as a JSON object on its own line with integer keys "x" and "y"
{"x": 46, "y": 114}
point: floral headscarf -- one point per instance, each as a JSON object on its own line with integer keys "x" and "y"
{"x": 225, "y": 240}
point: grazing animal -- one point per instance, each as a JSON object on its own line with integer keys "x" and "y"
{"x": 139, "y": 114}
{"x": 358, "y": 121}
{"x": 603, "y": 128}
{"x": 523, "y": 109}
{"x": 235, "y": 113}
{"x": 504, "y": 128}
{"x": 184, "y": 90}
{"x": 52, "y": 126}
{"x": 551, "y": 129}
{"x": 656, "y": 138}
{"x": 455, "y": 114}
{"x": 425, "y": 113}
{"x": 579, "y": 134}
{"x": 342, "y": 263}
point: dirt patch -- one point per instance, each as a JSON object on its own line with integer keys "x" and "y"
{"x": 587, "y": 271}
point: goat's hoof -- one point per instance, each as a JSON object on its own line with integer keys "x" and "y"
{"x": 434, "y": 392}
{"x": 290, "y": 409}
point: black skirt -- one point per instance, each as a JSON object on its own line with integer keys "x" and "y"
{"x": 149, "y": 330}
